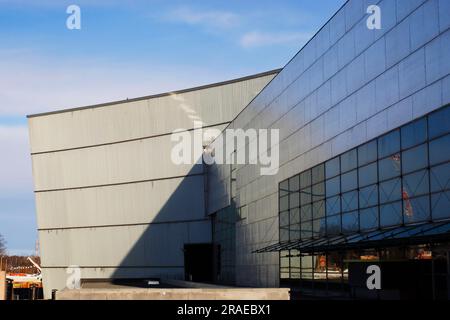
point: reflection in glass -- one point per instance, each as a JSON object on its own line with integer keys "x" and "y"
{"x": 294, "y": 183}
{"x": 390, "y": 190}
{"x": 333, "y": 205}
{"x": 390, "y": 167}
{"x": 284, "y": 187}
{"x": 284, "y": 218}
{"x": 305, "y": 196}
{"x": 440, "y": 205}
{"x": 349, "y": 181}
{"x": 368, "y": 175}
{"x": 389, "y": 144}
{"x": 439, "y": 150}
{"x": 333, "y": 186}
{"x": 368, "y": 196}
{"x": 415, "y": 159}
{"x": 332, "y": 168}
{"x": 439, "y": 123}
{"x": 350, "y": 222}
{"x": 294, "y": 200}
{"x": 306, "y": 213}
{"x": 367, "y": 153}
{"x": 305, "y": 179}
{"x": 440, "y": 177}
{"x": 368, "y": 218}
{"x": 391, "y": 214}
{"x": 416, "y": 184}
{"x": 414, "y": 133}
{"x": 294, "y": 215}
{"x": 416, "y": 209}
{"x": 348, "y": 161}
{"x": 334, "y": 225}
{"x": 349, "y": 201}
{"x": 318, "y": 209}
{"x": 284, "y": 203}
{"x": 318, "y": 173}
{"x": 318, "y": 191}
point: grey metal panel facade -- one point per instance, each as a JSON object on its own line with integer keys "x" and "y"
{"x": 109, "y": 199}
{"x": 347, "y": 86}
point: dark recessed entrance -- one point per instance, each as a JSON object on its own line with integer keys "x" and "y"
{"x": 198, "y": 262}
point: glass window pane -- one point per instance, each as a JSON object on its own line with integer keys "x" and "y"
{"x": 414, "y": 133}
{"x": 368, "y": 196}
{"x": 332, "y": 168}
{"x": 333, "y": 186}
{"x": 306, "y": 230}
{"x": 306, "y": 213}
{"x": 294, "y": 232}
{"x": 440, "y": 150}
{"x": 334, "y": 225}
{"x": 294, "y": 183}
{"x": 389, "y": 167}
{"x": 415, "y": 159}
{"x": 284, "y": 187}
{"x": 350, "y": 222}
{"x": 284, "y": 218}
{"x": 349, "y": 181}
{"x": 333, "y": 206}
{"x": 349, "y": 201}
{"x": 305, "y": 179}
{"x": 294, "y": 261}
{"x": 284, "y": 203}
{"x": 416, "y": 184}
{"x": 305, "y": 196}
{"x": 348, "y": 161}
{"x": 284, "y": 234}
{"x": 368, "y": 175}
{"x": 440, "y": 205}
{"x": 389, "y": 144}
{"x": 319, "y": 228}
{"x": 294, "y": 215}
{"x": 440, "y": 177}
{"x": 306, "y": 264}
{"x": 369, "y": 218}
{"x": 283, "y": 274}
{"x": 294, "y": 200}
{"x": 439, "y": 123}
{"x": 416, "y": 209}
{"x": 318, "y": 209}
{"x": 390, "y": 190}
{"x": 318, "y": 191}
{"x": 391, "y": 214}
{"x": 367, "y": 153}
{"x": 318, "y": 173}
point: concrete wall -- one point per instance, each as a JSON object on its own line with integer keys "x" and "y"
{"x": 348, "y": 85}
{"x": 108, "y": 197}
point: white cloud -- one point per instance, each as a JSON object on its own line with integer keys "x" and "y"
{"x": 258, "y": 39}
{"x": 32, "y": 84}
{"x": 209, "y": 19}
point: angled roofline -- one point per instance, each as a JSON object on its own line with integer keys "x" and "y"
{"x": 159, "y": 95}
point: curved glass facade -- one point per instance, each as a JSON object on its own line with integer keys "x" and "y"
{"x": 400, "y": 178}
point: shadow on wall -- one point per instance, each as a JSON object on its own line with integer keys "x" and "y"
{"x": 181, "y": 231}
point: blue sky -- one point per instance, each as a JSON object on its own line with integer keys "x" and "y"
{"x": 126, "y": 49}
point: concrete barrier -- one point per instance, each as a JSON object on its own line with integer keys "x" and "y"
{"x": 175, "y": 294}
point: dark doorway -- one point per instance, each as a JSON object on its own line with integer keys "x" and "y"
{"x": 198, "y": 262}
